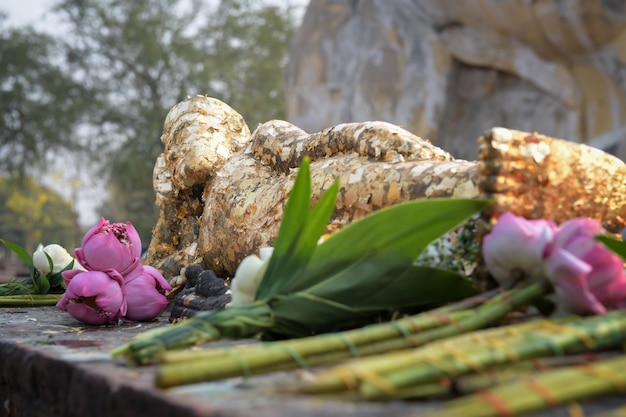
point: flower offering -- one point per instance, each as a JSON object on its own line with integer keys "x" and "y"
{"x": 116, "y": 285}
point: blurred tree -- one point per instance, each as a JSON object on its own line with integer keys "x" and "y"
{"x": 33, "y": 214}
{"x": 247, "y": 44}
{"x": 40, "y": 104}
{"x": 139, "y": 58}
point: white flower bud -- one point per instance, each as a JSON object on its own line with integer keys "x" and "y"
{"x": 60, "y": 259}
{"x": 248, "y": 276}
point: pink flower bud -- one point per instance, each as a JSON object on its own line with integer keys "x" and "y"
{"x": 69, "y": 274}
{"x": 145, "y": 294}
{"x": 587, "y": 276}
{"x": 106, "y": 245}
{"x": 517, "y": 244}
{"x": 94, "y": 297}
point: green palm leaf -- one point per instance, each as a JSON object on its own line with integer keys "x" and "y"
{"x": 299, "y": 233}
{"x": 388, "y": 240}
{"x": 368, "y": 267}
{"x": 21, "y": 252}
{"x": 36, "y": 284}
{"x": 616, "y": 245}
{"x": 353, "y": 300}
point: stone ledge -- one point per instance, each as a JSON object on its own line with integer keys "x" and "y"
{"x": 53, "y": 366}
{"x": 50, "y": 365}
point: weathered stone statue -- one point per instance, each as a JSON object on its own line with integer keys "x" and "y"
{"x": 448, "y": 68}
{"x": 221, "y": 191}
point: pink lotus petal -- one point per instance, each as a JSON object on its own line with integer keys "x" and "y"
{"x": 95, "y": 297}
{"x": 569, "y": 276}
{"x": 145, "y": 295}
{"x": 516, "y": 243}
{"x": 68, "y": 275}
{"x": 161, "y": 283}
{"x": 116, "y": 246}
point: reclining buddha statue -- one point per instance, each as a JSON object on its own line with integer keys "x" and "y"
{"x": 221, "y": 189}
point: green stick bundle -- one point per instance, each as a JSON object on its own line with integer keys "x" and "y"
{"x": 191, "y": 367}
{"x": 548, "y": 389}
{"x": 29, "y": 300}
{"x": 365, "y": 269}
{"x": 186, "y": 367}
{"x": 402, "y": 374}
{"x": 474, "y": 382}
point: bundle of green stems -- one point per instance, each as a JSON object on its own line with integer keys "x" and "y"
{"x": 547, "y": 389}
{"x": 185, "y": 367}
{"x": 407, "y": 373}
{"x": 474, "y": 382}
{"x": 26, "y": 300}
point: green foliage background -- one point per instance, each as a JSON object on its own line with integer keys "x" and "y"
{"x": 34, "y": 214}
{"x": 101, "y": 93}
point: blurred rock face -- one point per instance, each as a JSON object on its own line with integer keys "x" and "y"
{"x": 449, "y": 69}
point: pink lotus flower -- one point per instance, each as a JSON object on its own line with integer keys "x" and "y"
{"x": 145, "y": 294}
{"x": 94, "y": 297}
{"x": 587, "y": 276}
{"x": 115, "y": 246}
{"x": 517, "y": 246}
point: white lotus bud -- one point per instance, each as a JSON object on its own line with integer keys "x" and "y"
{"x": 59, "y": 256}
{"x": 248, "y": 277}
